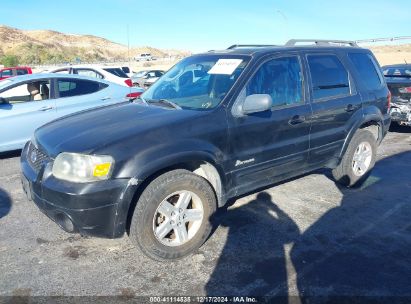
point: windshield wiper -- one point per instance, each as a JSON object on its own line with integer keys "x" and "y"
{"x": 165, "y": 102}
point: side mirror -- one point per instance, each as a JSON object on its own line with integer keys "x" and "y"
{"x": 257, "y": 103}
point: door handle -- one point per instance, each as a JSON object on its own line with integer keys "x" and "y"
{"x": 349, "y": 108}
{"x": 297, "y": 119}
{"x": 105, "y": 98}
{"x": 46, "y": 108}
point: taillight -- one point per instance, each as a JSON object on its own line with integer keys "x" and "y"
{"x": 405, "y": 90}
{"x": 133, "y": 95}
{"x": 389, "y": 100}
{"x": 128, "y": 82}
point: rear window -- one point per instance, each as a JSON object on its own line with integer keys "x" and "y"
{"x": 397, "y": 72}
{"x": 116, "y": 71}
{"x": 366, "y": 67}
{"x": 126, "y": 69}
{"x": 329, "y": 77}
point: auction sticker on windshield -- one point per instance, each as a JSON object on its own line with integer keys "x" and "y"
{"x": 225, "y": 66}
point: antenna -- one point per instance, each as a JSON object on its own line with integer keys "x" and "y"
{"x": 405, "y": 60}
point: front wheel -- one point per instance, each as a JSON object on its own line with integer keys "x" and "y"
{"x": 358, "y": 160}
{"x": 171, "y": 219}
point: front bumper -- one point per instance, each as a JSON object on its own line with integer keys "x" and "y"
{"x": 97, "y": 209}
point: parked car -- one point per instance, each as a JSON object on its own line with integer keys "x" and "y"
{"x": 27, "y": 102}
{"x": 161, "y": 166}
{"x": 14, "y": 71}
{"x": 398, "y": 79}
{"x": 143, "y": 57}
{"x": 109, "y": 73}
{"x": 148, "y": 76}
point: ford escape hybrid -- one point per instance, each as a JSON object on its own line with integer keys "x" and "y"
{"x": 215, "y": 126}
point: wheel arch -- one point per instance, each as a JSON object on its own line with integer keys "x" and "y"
{"x": 200, "y": 163}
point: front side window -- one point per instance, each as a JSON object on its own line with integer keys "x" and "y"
{"x": 198, "y": 82}
{"x": 75, "y": 87}
{"x": 32, "y": 91}
{"x": 6, "y": 73}
{"x": 281, "y": 78}
{"x": 329, "y": 77}
{"x": 365, "y": 66}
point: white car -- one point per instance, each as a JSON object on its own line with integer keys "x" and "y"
{"x": 109, "y": 73}
{"x": 144, "y": 57}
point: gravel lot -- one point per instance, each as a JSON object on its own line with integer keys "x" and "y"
{"x": 304, "y": 237}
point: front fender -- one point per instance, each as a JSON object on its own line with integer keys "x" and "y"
{"x": 156, "y": 158}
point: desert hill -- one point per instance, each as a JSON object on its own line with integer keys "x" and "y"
{"x": 46, "y": 46}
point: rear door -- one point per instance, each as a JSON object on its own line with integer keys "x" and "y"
{"x": 78, "y": 94}
{"x": 21, "y": 115}
{"x": 334, "y": 101}
{"x": 275, "y": 143}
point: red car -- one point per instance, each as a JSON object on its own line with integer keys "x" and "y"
{"x": 15, "y": 71}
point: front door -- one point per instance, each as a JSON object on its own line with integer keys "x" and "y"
{"x": 270, "y": 145}
{"x": 23, "y": 109}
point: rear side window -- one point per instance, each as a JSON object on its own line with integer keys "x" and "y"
{"x": 21, "y": 72}
{"x": 366, "y": 67}
{"x": 89, "y": 73}
{"x": 74, "y": 87}
{"x": 116, "y": 71}
{"x": 329, "y": 77}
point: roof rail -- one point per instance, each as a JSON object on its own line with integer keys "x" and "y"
{"x": 293, "y": 42}
{"x": 234, "y": 46}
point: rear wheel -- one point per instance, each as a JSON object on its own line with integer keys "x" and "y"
{"x": 358, "y": 160}
{"x": 171, "y": 219}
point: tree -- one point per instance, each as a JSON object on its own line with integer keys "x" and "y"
{"x": 9, "y": 61}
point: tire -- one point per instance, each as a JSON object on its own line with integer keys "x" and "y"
{"x": 348, "y": 172}
{"x": 158, "y": 207}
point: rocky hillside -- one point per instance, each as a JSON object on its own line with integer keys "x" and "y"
{"x": 45, "y": 46}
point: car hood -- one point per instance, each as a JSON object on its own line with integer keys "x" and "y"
{"x": 89, "y": 131}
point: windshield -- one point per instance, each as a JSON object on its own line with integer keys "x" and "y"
{"x": 397, "y": 72}
{"x": 198, "y": 82}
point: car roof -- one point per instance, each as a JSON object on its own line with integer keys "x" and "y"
{"x": 16, "y": 67}
{"x": 256, "y": 51}
{"x": 39, "y": 76}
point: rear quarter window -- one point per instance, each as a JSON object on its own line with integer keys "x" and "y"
{"x": 329, "y": 77}
{"x": 367, "y": 69}
{"x": 116, "y": 71}
{"x": 75, "y": 87}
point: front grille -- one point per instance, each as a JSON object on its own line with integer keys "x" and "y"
{"x": 36, "y": 157}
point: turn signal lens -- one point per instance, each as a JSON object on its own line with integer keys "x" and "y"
{"x": 101, "y": 170}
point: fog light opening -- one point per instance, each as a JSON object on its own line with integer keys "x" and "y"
{"x": 65, "y": 222}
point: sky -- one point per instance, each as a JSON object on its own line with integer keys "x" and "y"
{"x": 212, "y": 24}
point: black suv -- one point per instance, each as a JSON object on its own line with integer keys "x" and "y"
{"x": 215, "y": 126}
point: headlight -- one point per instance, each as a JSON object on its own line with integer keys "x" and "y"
{"x": 81, "y": 168}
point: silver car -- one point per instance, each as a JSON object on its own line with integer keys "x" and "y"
{"x": 28, "y": 102}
